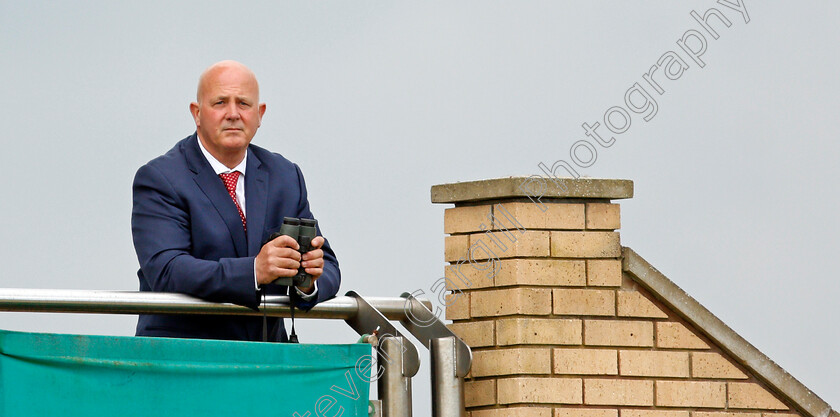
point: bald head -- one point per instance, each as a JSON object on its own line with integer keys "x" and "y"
{"x": 211, "y": 75}
{"x": 227, "y": 110}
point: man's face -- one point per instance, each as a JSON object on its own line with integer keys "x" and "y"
{"x": 228, "y": 112}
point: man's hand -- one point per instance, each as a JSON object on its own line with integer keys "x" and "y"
{"x": 313, "y": 262}
{"x": 279, "y": 258}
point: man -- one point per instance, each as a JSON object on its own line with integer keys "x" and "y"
{"x": 203, "y": 210}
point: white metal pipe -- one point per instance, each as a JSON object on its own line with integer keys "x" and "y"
{"x": 393, "y": 385}
{"x": 137, "y": 302}
{"x": 447, "y": 386}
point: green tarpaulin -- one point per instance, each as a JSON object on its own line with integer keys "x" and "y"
{"x": 73, "y": 375}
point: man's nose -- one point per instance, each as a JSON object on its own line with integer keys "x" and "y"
{"x": 233, "y": 111}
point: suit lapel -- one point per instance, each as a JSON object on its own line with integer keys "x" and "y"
{"x": 214, "y": 189}
{"x": 256, "y": 198}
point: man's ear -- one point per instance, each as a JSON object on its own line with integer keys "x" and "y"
{"x": 262, "y": 112}
{"x": 194, "y": 111}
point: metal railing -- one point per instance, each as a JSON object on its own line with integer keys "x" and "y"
{"x": 397, "y": 356}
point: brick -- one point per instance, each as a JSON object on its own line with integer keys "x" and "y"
{"x": 504, "y": 245}
{"x": 459, "y": 308}
{"x": 654, "y": 413}
{"x": 455, "y": 247}
{"x": 514, "y": 412}
{"x": 585, "y": 245}
{"x": 540, "y": 391}
{"x": 713, "y": 365}
{"x": 471, "y": 275}
{"x": 517, "y": 216}
{"x": 466, "y": 219}
{"x": 677, "y": 336}
{"x": 565, "y": 216}
{"x": 617, "y": 333}
{"x": 754, "y": 396}
{"x": 653, "y": 363}
{"x": 542, "y": 272}
{"x": 571, "y": 361}
{"x": 634, "y": 304}
{"x": 478, "y": 393}
{"x": 603, "y": 272}
{"x": 530, "y": 301}
{"x": 539, "y": 331}
{"x": 691, "y": 394}
{"x": 556, "y": 216}
{"x": 617, "y": 392}
{"x": 723, "y": 414}
{"x": 585, "y": 412}
{"x": 518, "y": 361}
{"x": 475, "y": 334}
{"x": 584, "y": 302}
{"x": 603, "y": 216}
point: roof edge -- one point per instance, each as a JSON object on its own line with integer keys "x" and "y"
{"x": 746, "y": 354}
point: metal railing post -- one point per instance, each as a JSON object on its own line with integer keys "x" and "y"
{"x": 394, "y": 386}
{"x": 447, "y": 386}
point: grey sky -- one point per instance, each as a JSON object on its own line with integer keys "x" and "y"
{"x": 377, "y": 101}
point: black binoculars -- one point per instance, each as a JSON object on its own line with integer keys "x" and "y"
{"x": 303, "y": 231}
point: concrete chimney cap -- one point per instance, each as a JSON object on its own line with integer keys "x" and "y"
{"x": 534, "y": 187}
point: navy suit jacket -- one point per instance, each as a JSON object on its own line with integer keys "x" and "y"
{"x": 189, "y": 238}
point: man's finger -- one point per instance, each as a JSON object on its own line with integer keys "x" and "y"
{"x": 286, "y": 253}
{"x": 315, "y": 272}
{"x": 287, "y": 263}
{"x": 317, "y": 242}
{"x": 313, "y": 254}
{"x": 284, "y": 241}
{"x": 283, "y": 272}
{"x": 313, "y": 264}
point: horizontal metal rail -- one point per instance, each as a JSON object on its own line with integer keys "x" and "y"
{"x": 451, "y": 357}
{"x": 139, "y": 302}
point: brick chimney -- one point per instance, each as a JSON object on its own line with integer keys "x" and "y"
{"x": 533, "y": 272}
{"x": 536, "y": 289}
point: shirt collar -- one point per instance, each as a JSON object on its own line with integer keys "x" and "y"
{"x": 219, "y": 167}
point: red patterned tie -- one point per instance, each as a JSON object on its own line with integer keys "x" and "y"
{"x": 230, "y": 179}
